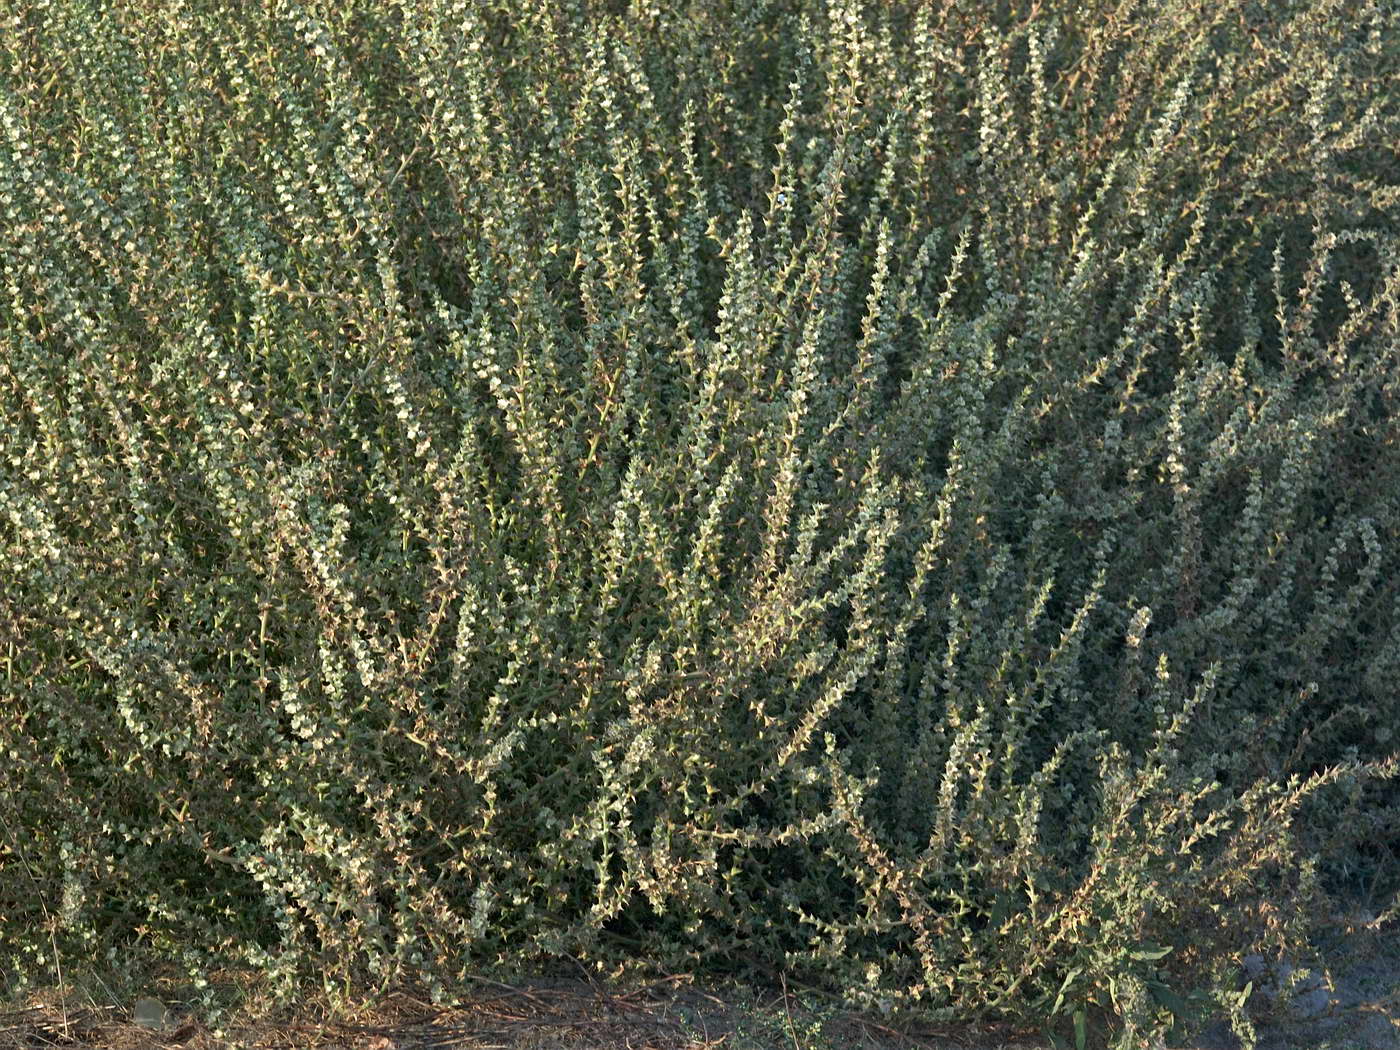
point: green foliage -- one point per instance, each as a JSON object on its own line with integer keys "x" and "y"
{"x": 898, "y": 491}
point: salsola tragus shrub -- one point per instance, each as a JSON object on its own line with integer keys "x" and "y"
{"x": 901, "y": 491}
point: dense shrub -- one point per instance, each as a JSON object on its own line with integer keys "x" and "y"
{"x": 901, "y": 491}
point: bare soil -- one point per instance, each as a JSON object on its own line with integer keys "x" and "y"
{"x": 1353, "y": 1005}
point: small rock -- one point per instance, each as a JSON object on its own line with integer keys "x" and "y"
{"x": 1253, "y": 966}
{"x": 149, "y": 1013}
{"x": 1308, "y": 997}
{"x": 1312, "y": 1003}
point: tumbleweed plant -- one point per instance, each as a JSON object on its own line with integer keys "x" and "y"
{"x": 905, "y": 493}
